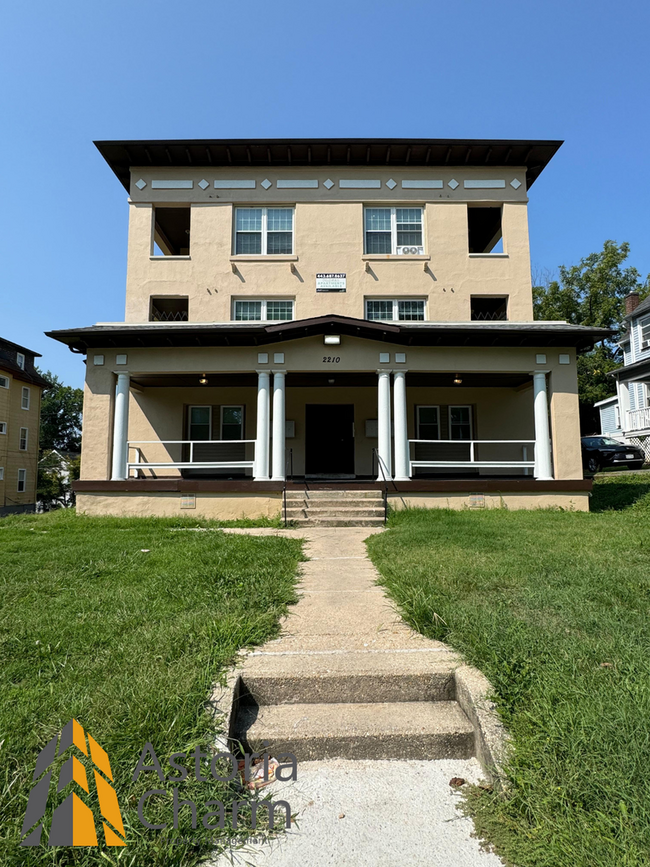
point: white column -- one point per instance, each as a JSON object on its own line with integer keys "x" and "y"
{"x": 278, "y": 426}
{"x": 623, "y": 389}
{"x": 542, "y": 434}
{"x": 120, "y": 427}
{"x": 261, "y": 470}
{"x": 401, "y": 432}
{"x": 383, "y": 424}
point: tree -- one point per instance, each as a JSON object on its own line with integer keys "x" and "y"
{"x": 61, "y": 410}
{"x": 55, "y": 476}
{"x": 593, "y": 293}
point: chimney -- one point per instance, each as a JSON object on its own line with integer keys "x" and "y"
{"x": 631, "y": 302}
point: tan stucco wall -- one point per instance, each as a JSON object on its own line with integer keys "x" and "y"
{"x": 224, "y": 507}
{"x": 329, "y": 238}
{"x": 573, "y": 502}
{"x": 11, "y": 457}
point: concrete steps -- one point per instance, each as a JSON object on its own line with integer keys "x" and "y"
{"x": 345, "y": 508}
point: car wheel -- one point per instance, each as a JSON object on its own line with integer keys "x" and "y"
{"x": 593, "y": 465}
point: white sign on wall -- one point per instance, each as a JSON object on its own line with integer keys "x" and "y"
{"x": 331, "y": 282}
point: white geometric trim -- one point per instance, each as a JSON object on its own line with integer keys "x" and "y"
{"x": 363, "y": 184}
{"x": 453, "y": 183}
{"x": 172, "y": 185}
{"x": 204, "y": 184}
{"x": 141, "y": 184}
{"x": 515, "y": 184}
{"x": 234, "y": 185}
{"x": 297, "y": 185}
{"x": 266, "y": 183}
{"x": 391, "y": 184}
{"x": 328, "y": 184}
{"x": 484, "y": 185}
{"x": 422, "y": 185}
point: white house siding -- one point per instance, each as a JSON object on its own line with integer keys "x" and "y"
{"x": 608, "y": 419}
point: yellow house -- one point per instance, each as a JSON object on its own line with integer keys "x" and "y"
{"x": 353, "y": 315}
{"x": 21, "y": 387}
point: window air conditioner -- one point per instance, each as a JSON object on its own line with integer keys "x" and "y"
{"x": 410, "y": 251}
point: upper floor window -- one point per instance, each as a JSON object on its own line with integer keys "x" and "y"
{"x": 3, "y": 427}
{"x": 262, "y": 310}
{"x": 171, "y": 231}
{"x": 24, "y": 436}
{"x": 488, "y": 308}
{"x": 4, "y": 382}
{"x": 24, "y": 401}
{"x": 22, "y": 481}
{"x": 644, "y": 326}
{"x": 20, "y": 360}
{"x": 264, "y": 231}
{"x": 393, "y": 231}
{"x": 398, "y": 309}
{"x": 168, "y": 309}
{"x": 484, "y": 229}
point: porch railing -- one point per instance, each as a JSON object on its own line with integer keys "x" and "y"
{"x": 188, "y": 458}
{"x": 485, "y": 454}
{"x": 638, "y": 419}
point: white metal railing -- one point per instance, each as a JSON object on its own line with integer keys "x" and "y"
{"x": 472, "y": 459}
{"x": 141, "y": 463}
{"x": 638, "y": 419}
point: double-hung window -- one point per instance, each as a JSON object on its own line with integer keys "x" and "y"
{"x": 22, "y": 481}
{"x": 24, "y": 401}
{"x": 644, "y": 328}
{"x": 200, "y": 422}
{"x": 232, "y": 422}
{"x": 264, "y": 231}
{"x": 4, "y": 382}
{"x": 428, "y": 422}
{"x": 3, "y": 427}
{"x": 262, "y": 310}
{"x": 398, "y": 309}
{"x": 460, "y": 422}
{"x": 24, "y": 436}
{"x": 20, "y": 360}
{"x": 393, "y": 231}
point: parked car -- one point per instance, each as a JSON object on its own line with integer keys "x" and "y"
{"x": 599, "y": 452}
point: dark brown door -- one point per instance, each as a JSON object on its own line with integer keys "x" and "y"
{"x": 329, "y": 439}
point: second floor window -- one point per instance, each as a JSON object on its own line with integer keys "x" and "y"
{"x": 24, "y": 434}
{"x": 398, "y": 309}
{"x": 644, "y": 328}
{"x": 262, "y": 310}
{"x": 264, "y": 231}
{"x": 25, "y": 398}
{"x": 20, "y": 360}
{"x": 393, "y": 230}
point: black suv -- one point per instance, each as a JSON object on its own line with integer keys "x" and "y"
{"x": 599, "y": 452}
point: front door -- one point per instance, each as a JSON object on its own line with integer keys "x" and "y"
{"x": 329, "y": 439}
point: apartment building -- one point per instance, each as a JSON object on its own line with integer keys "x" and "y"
{"x": 21, "y": 387}
{"x": 348, "y": 313}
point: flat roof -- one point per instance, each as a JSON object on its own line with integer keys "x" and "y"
{"x": 194, "y": 153}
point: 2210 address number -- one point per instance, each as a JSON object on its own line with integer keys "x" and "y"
{"x": 331, "y": 359}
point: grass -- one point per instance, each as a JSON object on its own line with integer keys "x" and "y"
{"x": 129, "y": 643}
{"x": 554, "y": 608}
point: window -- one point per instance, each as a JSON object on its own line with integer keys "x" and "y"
{"x": 644, "y": 327}
{"x": 393, "y": 230}
{"x": 4, "y": 382}
{"x": 490, "y": 309}
{"x": 169, "y": 309}
{"x": 20, "y": 360}
{"x": 171, "y": 231}
{"x": 263, "y": 231}
{"x": 484, "y": 229}
{"x": 3, "y": 427}
{"x": 200, "y": 422}
{"x": 25, "y": 398}
{"x": 232, "y": 422}
{"x": 24, "y": 435}
{"x": 402, "y": 310}
{"x": 2, "y": 474}
{"x": 22, "y": 481}
{"x": 428, "y": 422}
{"x": 262, "y": 310}
{"x": 460, "y": 422}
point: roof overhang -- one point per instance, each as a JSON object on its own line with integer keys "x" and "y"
{"x": 540, "y": 334}
{"x": 632, "y": 372}
{"x": 416, "y": 152}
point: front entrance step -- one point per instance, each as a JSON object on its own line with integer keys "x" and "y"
{"x": 405, "y": 730}
{"x": 333, "y": 512}
{"x": 334, "y": 508}
{"x": 334, "y": 495}
{"x": 339, "y": 522}
{"x": 351, "y": 676}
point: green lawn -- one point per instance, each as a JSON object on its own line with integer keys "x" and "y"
{"x": 554, "y": 608}
{"x": 129, "y": 643}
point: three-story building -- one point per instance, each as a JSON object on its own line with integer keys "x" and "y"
{"x": 352, "y": 313}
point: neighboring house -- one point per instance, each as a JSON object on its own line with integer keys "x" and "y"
{"x": 60, "y": 464}
{"x": 341, "y": 311}
{"x": 626, "y": 415}
{"x": 21, "y": 387}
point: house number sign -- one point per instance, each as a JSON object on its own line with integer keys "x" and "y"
{"x": 331, "y": 282}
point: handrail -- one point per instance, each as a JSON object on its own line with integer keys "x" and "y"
{"x": 288, "y": 473}
{"x": 380, "y": 464}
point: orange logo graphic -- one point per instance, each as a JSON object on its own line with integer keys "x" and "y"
{"x": 73, "y": 822}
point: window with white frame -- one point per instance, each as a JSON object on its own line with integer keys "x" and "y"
{"x": 4, "y": 382}
{"x": 232, "y": 422}
{"x": 398, "y": 309}
{"x": 200, "y": 422}
{"x": 24, "y": 401}
{"x": 428, "y": 422}
{"x": 24, "y": 436}
{"x": 460, "y": 422}
{"x": 393, "y": 231}
{"x": 263, "y": 231}
{"x": 2, "y": 474}
{"x": 3, "y": 427}
{"x": 262, "y": 310}
{"x": 644, "y": 329}
{"x": 20, "y": 360}
{"x": 22, "y": 481}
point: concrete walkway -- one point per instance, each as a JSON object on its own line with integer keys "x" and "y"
{"x": 359, "y": 813}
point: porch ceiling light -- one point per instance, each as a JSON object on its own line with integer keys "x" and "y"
{"x": 203, "y": 380}
{"x": 331, "y": 339}
{"x": 331, "y": 381}
{"x": 458, "y": 379}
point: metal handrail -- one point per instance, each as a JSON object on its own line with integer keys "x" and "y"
{"x": 288, "y": 473}
{"x": 380, "y": 464}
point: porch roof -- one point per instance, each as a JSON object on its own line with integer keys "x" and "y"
{"x": 150, "y": 334}
{"x": 638, "y": 370}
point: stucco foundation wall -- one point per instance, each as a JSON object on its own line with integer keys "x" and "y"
{"x": 572, "y": 502}
{"x": 223, "y": 507}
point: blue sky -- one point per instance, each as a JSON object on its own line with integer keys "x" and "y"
{"x": 73, "y": 72}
